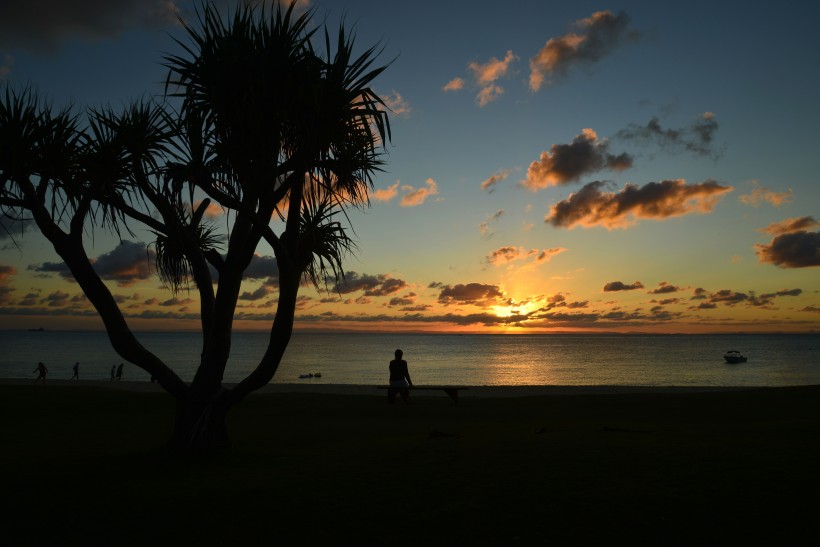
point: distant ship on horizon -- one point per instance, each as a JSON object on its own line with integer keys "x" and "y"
{"x": 38, "y": 329}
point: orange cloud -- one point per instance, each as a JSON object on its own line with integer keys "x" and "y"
{"x": 507, "y": 254}
{"x": 492, "y": 70}
{"x": 657, "y": 200}
{"x": 566, "y": 163}
{"x": 386, "y": 194}
{"x": 761, "y": 194}
{"x": 597, "y": 35}
{"x": 417, "y": 196}
{"x": 212, "y": 211}
{"x": 791, "y": 225}
{"x": 494, "y": 179}
{"x": 397, "y": 104}
{"x": 488, "y": 94}
{"x": 485, "y": 76}
{"x": 455, "y": 84}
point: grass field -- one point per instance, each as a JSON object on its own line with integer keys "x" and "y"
{"x": 86, "y": 466}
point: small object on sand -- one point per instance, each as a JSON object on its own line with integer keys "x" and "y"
{"x": 734, "y": 356}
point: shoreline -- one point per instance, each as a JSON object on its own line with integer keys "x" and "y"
{"x": 372, "y": 390}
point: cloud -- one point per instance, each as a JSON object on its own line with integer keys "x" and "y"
{"x": 386, "y": 194}
{"x": 44, "y": 25}
{"x": 485, "y": 77}
{"x": 495, "y": 178}
{"x": 488, "y": 94}
{"x": 783, "y": 292}
{"x": 486, "y": 74}
{"x": 5, "y": 291}
{"x": 56, "y": 299}
{"x": 477, "y": 294}
{"x": 760, "y": 194}
{"x": 728, "y": 297}
{"x": 656, "y": 200}
{"x": 664, "y": 288}
{"x": 697, "y": 138}
{"x": 401, "y": 301}
{"x": 372, "y": 285}
{"x": 262, "y": 267}
{"x": 411, "y": 196}
{"x": 614, "y": 286}
{"x": 416, "y": 196}
{"x": 699, "y": 294}
{"x": 504, "y": 255}
{"x": 766, "y": 299}
{"x": 792, "y": 250}
{"x": 456, "y": 84}
{"x": 6, "y": 272}
{"x": 492, "y": 70}
{"x": 397, "y": 104}
{"x": 565, "y": 163}
{"x": 213, "y": 210}
{"x": 258, "y": 294}
{"x": 52, "y": 267}
{"x": 545, "y": 255}
{"x": 790, "y": 225}
{"x": 171, "y": 302}
{"x": 484, "y": 227}
{"x": 13, "y": 228}
{"x": 127, "y": 264}
{"x": 596, "y": 37}
{"x": 5, "y": 66}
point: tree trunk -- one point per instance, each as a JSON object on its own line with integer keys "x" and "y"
{"x": 200, "y": 426}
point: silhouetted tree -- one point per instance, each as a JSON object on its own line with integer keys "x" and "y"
{"x": 255, "y": 120}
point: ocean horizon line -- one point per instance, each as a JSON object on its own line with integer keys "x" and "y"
{"x": 440, "y": 333}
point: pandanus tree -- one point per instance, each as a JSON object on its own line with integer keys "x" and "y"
{"x": 255, "y": 119}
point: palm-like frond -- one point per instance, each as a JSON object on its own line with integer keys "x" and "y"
{"x": 38, "y": 147}
{"x": 323, "y": 240}
{"x": 172, "y": 261}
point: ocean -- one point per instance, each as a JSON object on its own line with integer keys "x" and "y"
{"x": 466, "y": 359}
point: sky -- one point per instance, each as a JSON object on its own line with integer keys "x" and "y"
{"x": 622, "y": 166}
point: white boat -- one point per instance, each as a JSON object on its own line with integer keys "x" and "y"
{"x": 733, "y": 356}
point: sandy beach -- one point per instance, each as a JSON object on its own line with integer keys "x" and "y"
{"x": 351, "y": 389}
{"x": 318, "y": 464}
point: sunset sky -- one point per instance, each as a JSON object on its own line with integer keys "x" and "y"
{"x": 555, "y": 166}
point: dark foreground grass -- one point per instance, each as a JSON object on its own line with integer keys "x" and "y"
{"x": 86, "y": 466}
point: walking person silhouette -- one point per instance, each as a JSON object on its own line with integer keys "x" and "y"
{"x": 41, "y": 371}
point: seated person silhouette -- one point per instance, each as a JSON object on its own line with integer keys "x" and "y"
{"x": 400, "y": 381}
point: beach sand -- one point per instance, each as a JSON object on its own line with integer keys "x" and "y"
{"x": 482, "y": 392}
{"x": 325, "y": 464}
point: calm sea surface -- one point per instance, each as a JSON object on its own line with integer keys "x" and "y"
{"x": 637, "y": 360}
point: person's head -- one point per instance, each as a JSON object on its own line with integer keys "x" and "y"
{"x": 398, "y": 354}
